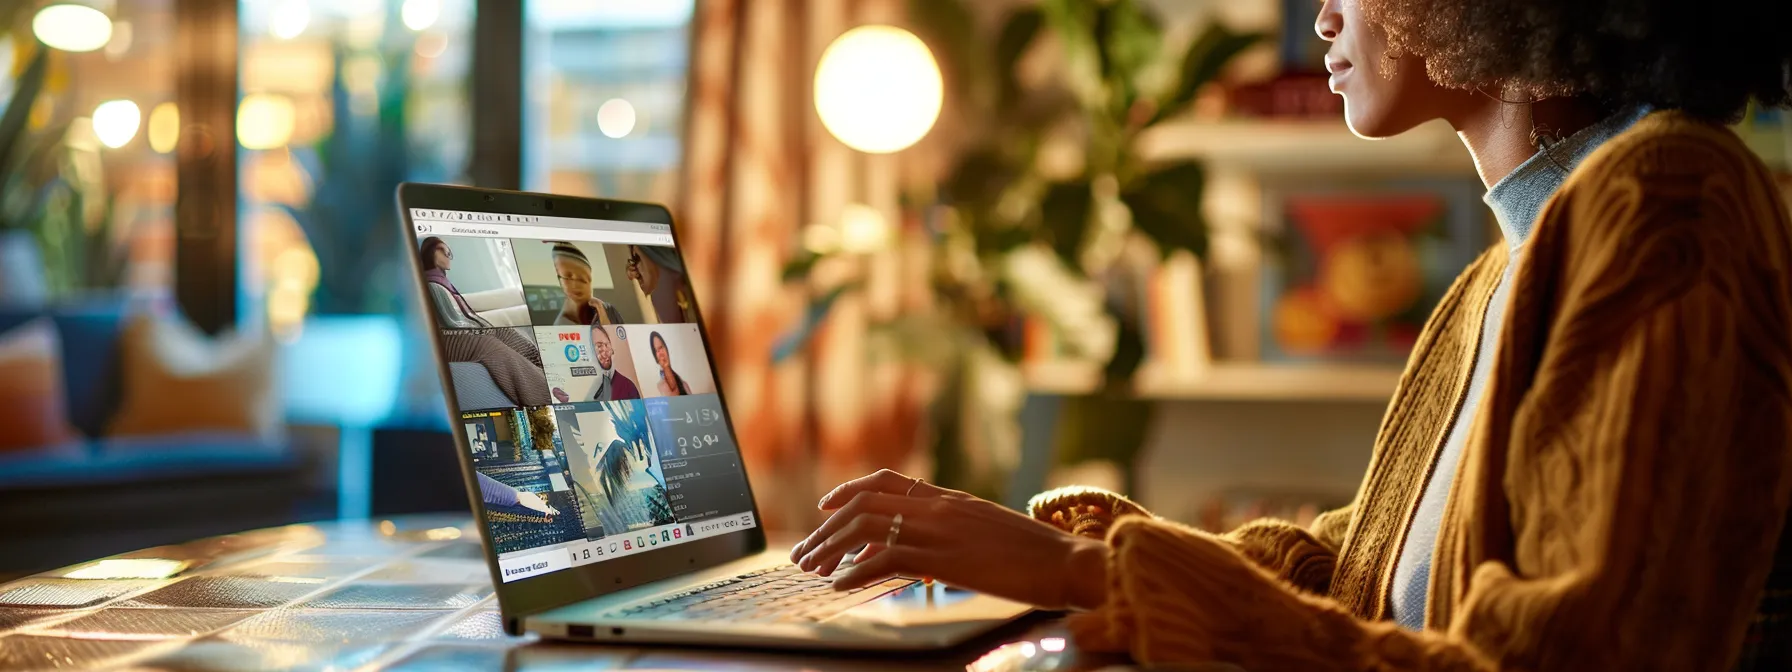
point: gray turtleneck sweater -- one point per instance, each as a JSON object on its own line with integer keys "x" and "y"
{"x": 1515, "y": 201}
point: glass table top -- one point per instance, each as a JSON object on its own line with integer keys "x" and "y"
{"x": 409, "y": 593}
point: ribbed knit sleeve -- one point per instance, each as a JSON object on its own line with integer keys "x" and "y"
{"x": 1637, "y": 440}
{"x": 1302, "y": 557}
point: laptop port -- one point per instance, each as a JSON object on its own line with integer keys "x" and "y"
{"x": 615, "y": 632}
{"x": 581, "y": 632}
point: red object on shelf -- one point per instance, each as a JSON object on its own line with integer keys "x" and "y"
{"x": 1289, "y": 96}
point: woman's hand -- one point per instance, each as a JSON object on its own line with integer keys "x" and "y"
{"x": 954, "y": 537}
{"x": 530, "y": 500}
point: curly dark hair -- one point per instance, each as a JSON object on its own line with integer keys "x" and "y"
{"x": 1707, "y": 58}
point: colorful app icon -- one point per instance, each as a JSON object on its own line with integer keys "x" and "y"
{"x": 626, "y": 546}
{"x": 677, "y": 533}
{"x": 653, "y": 541}
{"x": 665, "y": 535}
{"x": 640, "y": 543}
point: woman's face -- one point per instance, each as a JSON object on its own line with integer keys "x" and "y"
{"x": 647, "y": 271}
{"x": 1382, "y": 96}
{"x": 660, "y": 355}
{"x": 444, "y": 257}
{"x": 575, "y": 279}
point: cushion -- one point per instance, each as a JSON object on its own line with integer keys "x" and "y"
{"x": 176, "y": 380}
{"x": 474, "y": 388}
{"x": 89, "y": 333}
{"x": 90, "y": 336}
{"x": 31, "y": 387}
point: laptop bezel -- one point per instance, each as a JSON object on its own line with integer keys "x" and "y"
{"x": 525, "y": 597}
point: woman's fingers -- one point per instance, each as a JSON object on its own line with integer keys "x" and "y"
{"x": 863, "y": 503}
{"x": 870, "y": 552}
{"x": 891, "y": 563}
{"x": 863, "y": 529}
{"x": 884, "y": 481}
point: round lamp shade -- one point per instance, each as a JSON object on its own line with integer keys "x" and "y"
{"x": 878, "y": 89}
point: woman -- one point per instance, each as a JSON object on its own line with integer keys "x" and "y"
{"x": 1586, "y": 464}
{"x": 451, "y": 308}
{"x": 671, "y": 384}
{"x": 660, "y": 274}
{"x": 574, "y": 270}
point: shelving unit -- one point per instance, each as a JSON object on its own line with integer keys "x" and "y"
{"x": 1305, "y": 145}
{"x": 1275, "y": 382}
{"x": 1243, "y": 381}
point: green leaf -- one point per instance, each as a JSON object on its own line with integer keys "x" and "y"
{"x": 1129, "y": 39}
{"x": 950, "y": 30}
{"x": 792, "y": 343}
{"x": 1129, "y": 354}
{"x": 980, "y": 177}
{"x": 1065, "y": 211}
{"x": 18, "y": 110}
{"x": 1018, "y": 33}
{"x": 798, "y": 268}
{"x": 993, "y": 238}
{"x": 1205, "y": 57}
{"x": 1166, "y": 206}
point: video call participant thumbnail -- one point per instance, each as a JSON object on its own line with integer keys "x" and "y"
{"x": 478, "y": 289}
{"x": 571, "y": 283}
{"x": 612, "y": 358}
{"x": 661, "y": 276}
{"x": 614, "y": 464}
{"x": 584, "y": 364}
{"x": 673, "y": 360}
{"x": 495, "y": 368}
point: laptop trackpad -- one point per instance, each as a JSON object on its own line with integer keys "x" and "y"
{"x": 920, "y": 604}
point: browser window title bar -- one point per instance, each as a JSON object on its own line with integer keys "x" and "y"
{"x": 541, "y": 227}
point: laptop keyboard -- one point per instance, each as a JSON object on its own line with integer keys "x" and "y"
{"x": 777, "y": 594}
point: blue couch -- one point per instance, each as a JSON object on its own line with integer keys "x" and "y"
{"x": 103, "y": 495}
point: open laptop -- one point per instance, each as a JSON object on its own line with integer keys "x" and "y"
{"x": 596, "y": 444}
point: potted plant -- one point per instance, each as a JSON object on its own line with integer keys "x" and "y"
{"x": 1010, "y": 241}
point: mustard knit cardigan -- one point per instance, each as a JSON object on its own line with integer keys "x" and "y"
{"x": 1619, "y": 503}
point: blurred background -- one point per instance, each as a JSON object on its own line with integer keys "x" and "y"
{"x": 1001, "y": 244}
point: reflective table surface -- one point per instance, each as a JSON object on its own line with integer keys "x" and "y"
{"x": 403, "y": 594}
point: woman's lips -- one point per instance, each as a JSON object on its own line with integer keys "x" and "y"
{"x": 1337, "y": 66}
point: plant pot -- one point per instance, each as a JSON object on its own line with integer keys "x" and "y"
{"x": 22, "y": 281}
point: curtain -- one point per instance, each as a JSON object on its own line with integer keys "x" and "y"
{"x": 758, "y": 169}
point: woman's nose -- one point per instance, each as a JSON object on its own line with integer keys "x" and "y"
{"x": 1329, "y": 22}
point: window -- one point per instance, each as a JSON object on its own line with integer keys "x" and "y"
{"x": 341, "y": 101}
{"x": 606, "y": 89}
{"x": 87, "y": 207}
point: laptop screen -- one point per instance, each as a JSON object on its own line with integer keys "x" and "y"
{"x": 583, "y": 385}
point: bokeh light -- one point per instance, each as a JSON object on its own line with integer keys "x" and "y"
{"x": 420, "y": 14}
{"x": 878, "y": 89}
{"x": 264, "y": 121}
{"x": 164, "y": 128}
{"x": 616, "y": 118}
{"x": 72, "y": 27}
{"x": 115, "y": 122}
{"x": 289, "y": 19}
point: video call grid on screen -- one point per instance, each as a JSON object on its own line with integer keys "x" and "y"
{"x": 567, "y": 342}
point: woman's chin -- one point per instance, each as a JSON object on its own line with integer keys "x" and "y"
{"x": 1374, "y": 126}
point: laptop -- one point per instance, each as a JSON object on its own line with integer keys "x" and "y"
{"x": 596, "y": 445}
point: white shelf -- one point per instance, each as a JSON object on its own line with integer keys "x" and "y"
{"x": 1305, "y": 145}
{"x": 1275, "y": 382}
{"x": 1230, "y": 382}
{"x": 1329, "y": 145}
